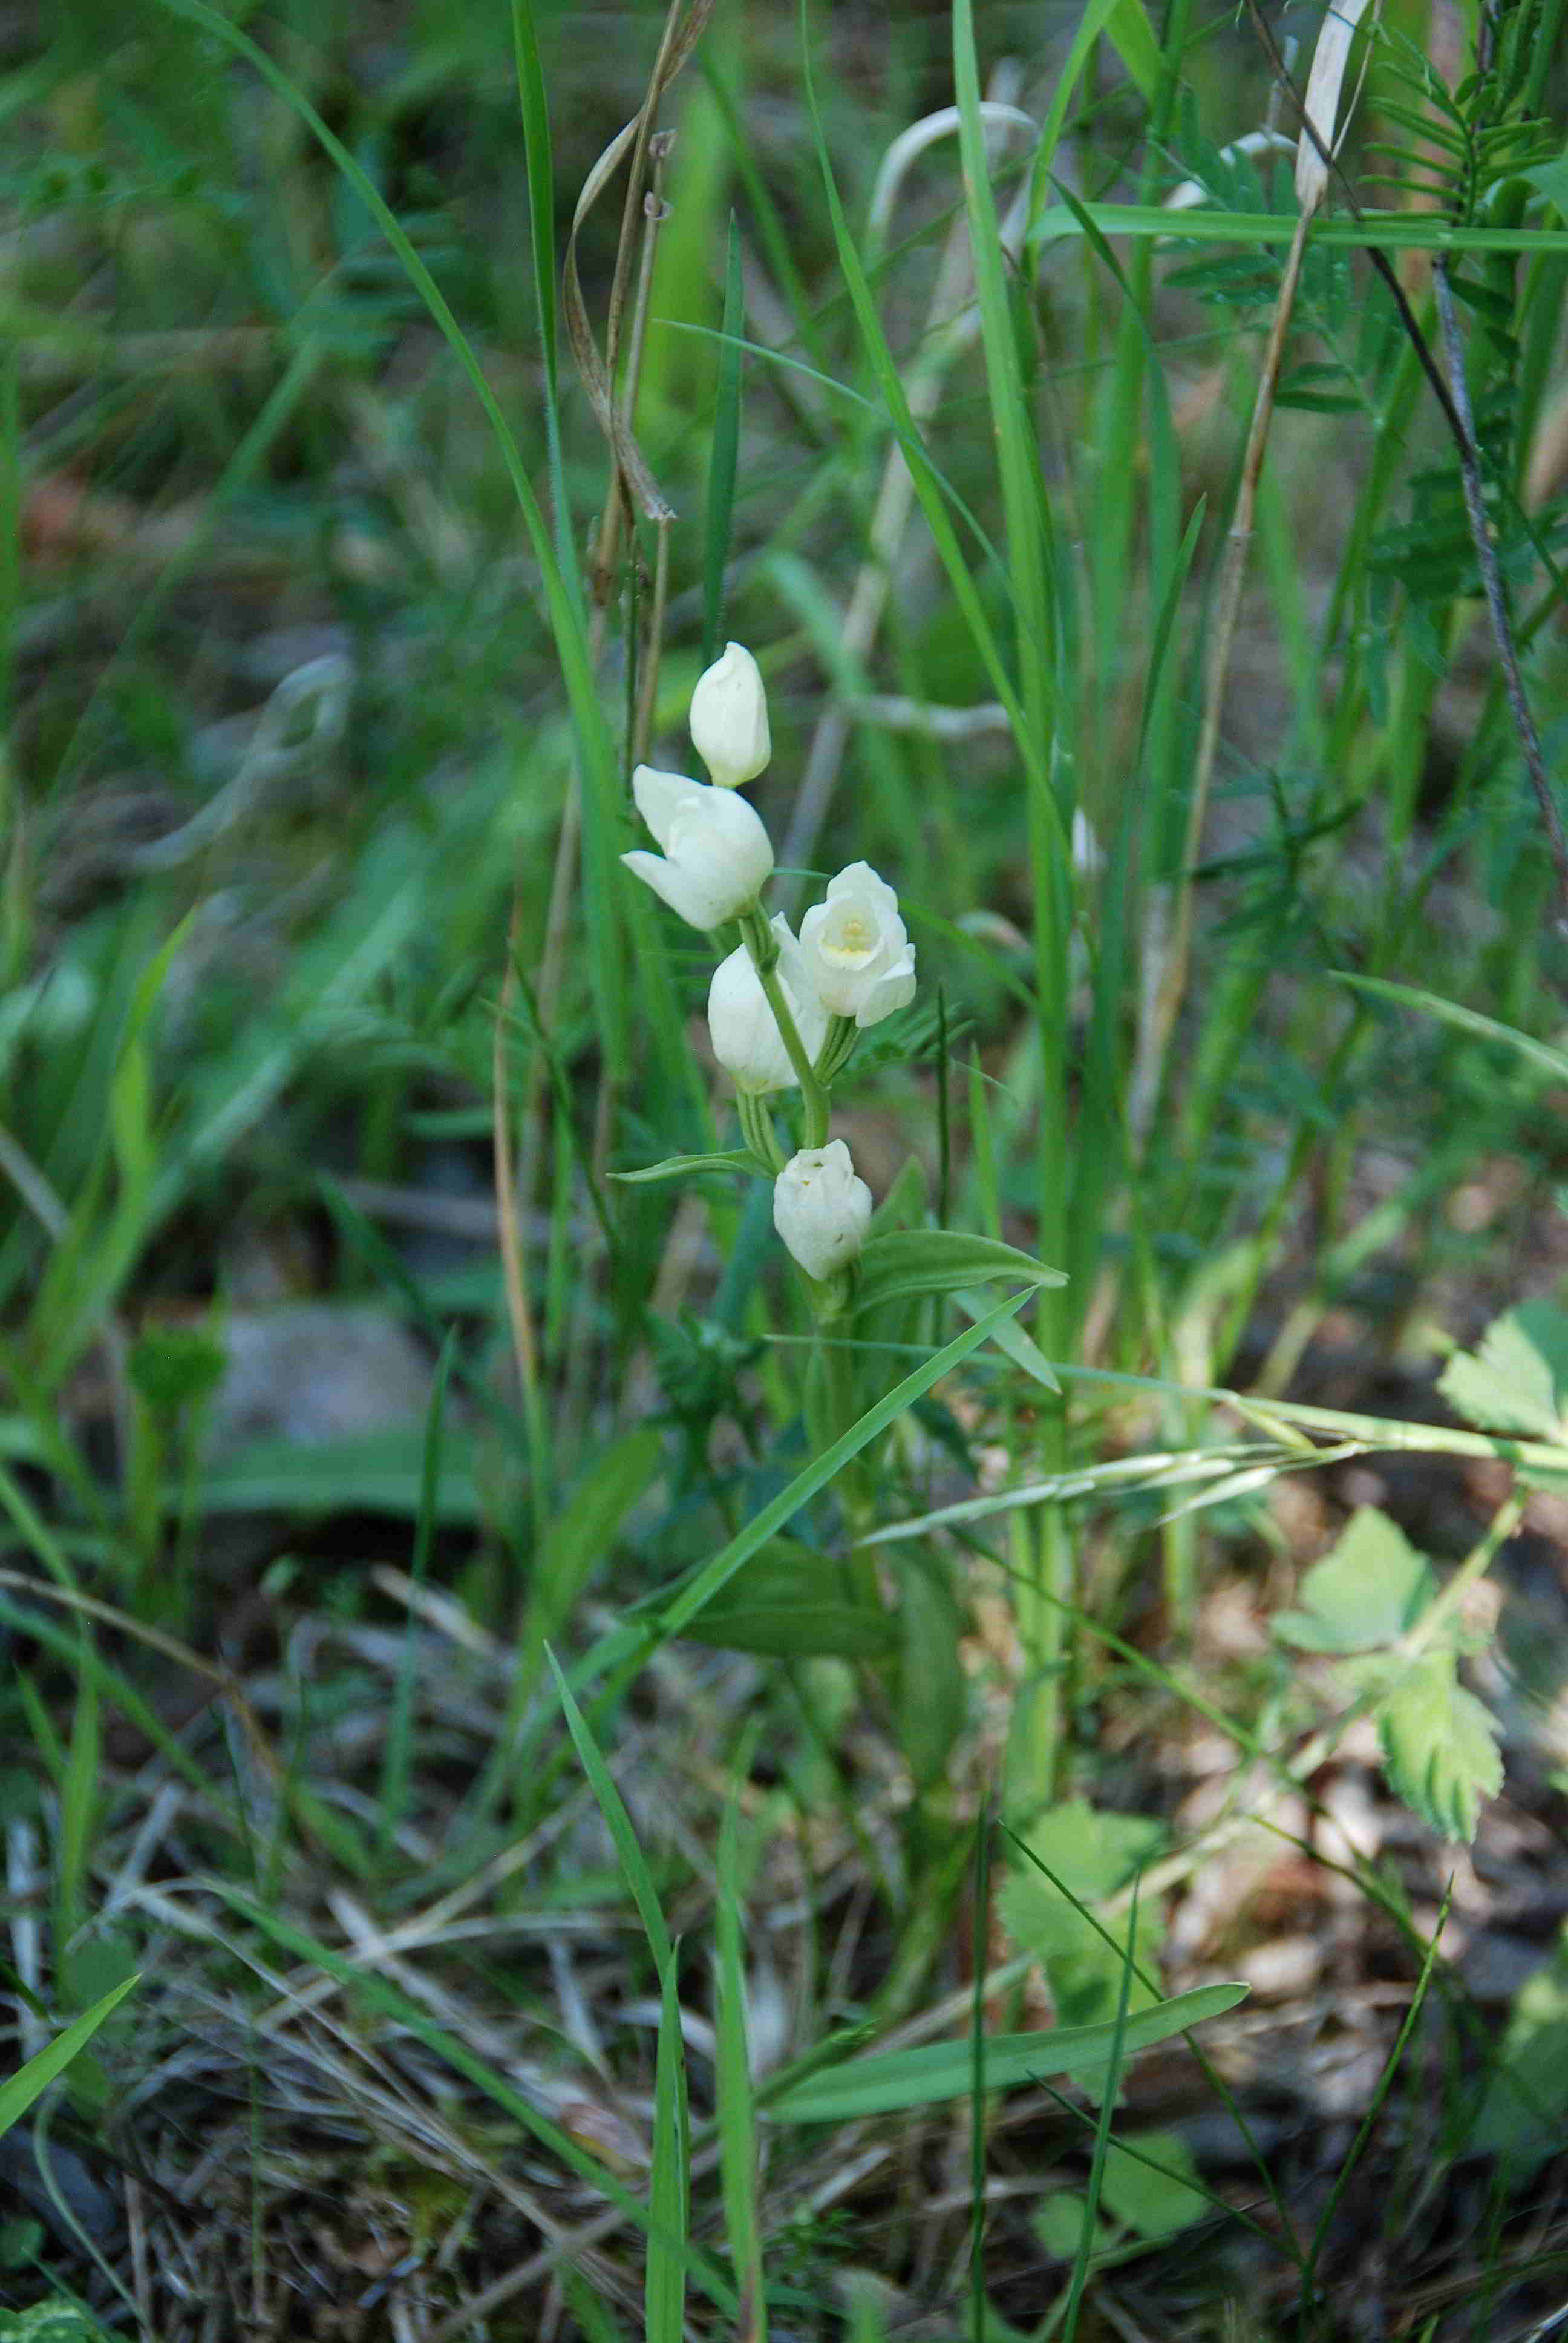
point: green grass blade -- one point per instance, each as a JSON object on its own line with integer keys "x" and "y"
{"x": 396, "y": 1766}
{"x": 945, "y": 2070}
{"x": 537, "y": 144}
{"x": 737, "y": 2113}
{"x": 1464, "y": 1020}
{"x": 601, "y": 878}
{"x": 1079, "y": 2278}
{"x": 664, "y": 2294}
{"x": 1390, "y": 231}
{"x": 612, "y": 1806}
{"x": 380, "y": 1995}
{"x": 928, "y": 485}
{"x": 19, "y": 2092}
{"x": 701, "y": 1590}
{"x": 980, "y": 1961}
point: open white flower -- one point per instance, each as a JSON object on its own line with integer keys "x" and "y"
{"x": 821, "y": 1209}
{"x": 717, "y": 854}
{"x": 857, "y": 956}
{"x": 730, "y": 718}
{"x": 745, "y": 1032}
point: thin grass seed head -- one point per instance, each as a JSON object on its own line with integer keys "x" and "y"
{"x": 717, "y": 854}
{"x": 821, "y": 1209}
{"x": 730, "y": 718}
{"x": 855, "y": 950}
{"x": 744, "y": 1033}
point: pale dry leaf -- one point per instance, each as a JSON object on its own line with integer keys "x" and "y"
{"x": 1330, "y": 59}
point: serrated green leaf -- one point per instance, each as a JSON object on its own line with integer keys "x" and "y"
{"x": 941, "y": 1261}
{"x": 1368, "y": 1592}
{"x": 1518, "y": 1379}
{"x": 1440, "y": 1746}
{"x": 791, "y": 1603}
{"x": 1092, "y": 1851}
{"x": 1093, "y": 1855}
{"x": 687, "y": 1167}
{"x": 945, "y": 2070}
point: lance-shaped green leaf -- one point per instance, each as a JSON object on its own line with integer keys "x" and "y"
{"x": 687, "y": 1167}
{"x": 945, "y": 2070}
{"x": 941, "y": 1261}
{"x": 17, "y": 2094}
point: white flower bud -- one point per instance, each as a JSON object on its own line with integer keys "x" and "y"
{"x": 857, "y": 956}
{"x": 717, "y": 854}
{"x": 821, "y": 1209}
{"x": 730, "y": 718}
{"x": 746, "y": 1038}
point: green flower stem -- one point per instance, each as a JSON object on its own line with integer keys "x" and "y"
{"x": 757, "y": 1131}
{"x": 763, "y": 947}
{"x": 835, "y": 1367}
{"x": 838, "y": 1048}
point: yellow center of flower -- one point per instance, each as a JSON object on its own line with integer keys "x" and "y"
{"x": 849, "y": 941}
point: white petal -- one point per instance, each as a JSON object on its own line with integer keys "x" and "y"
{"x": 659, "y": 796}
{"x": 691, "y": 897}
{"x": 728, "y": 718}
{"x": 859, "y": 879}
{"x": 894, "y": 989}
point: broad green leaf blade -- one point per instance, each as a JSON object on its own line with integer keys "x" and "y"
{"x": 1440, "y": 1746}
{"x": 19, "y": 2092}
{"x": 1132, "y": 35}
{"x": 370, "y": 1473}
{"x": 941, "y": 1261}
{"x": 792, "y": 1603}
{"x": 945, "y": 2070}
{"x": 1368, "y": 1592}
{"x": 687, "y": 1167}
{"x": 933, "y": 1692}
